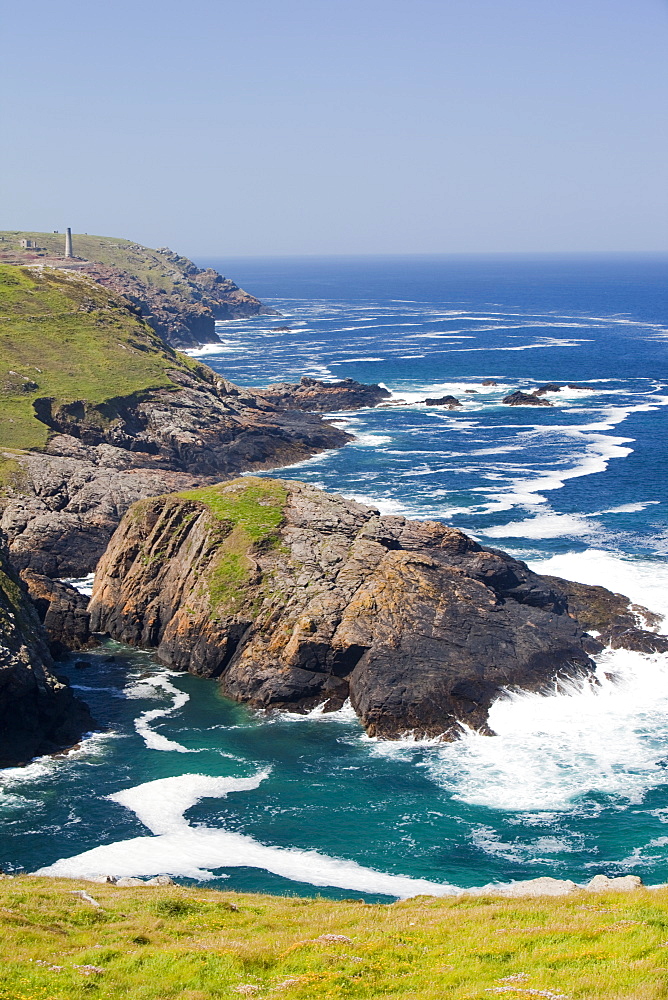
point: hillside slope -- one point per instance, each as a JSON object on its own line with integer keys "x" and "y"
{"x": 96, "y": 411}
{"x": 179, "y": 300}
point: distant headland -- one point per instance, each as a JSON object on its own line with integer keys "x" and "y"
{"x": 179, "y": 300}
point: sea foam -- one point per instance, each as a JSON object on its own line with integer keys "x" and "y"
{"x": 177, "y": 848}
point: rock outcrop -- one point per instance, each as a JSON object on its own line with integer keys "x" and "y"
{"x": 293, "y": 597}
{"x": 63, "y": 611}
{"x": 518, "y": 398}
{"x": 73, "y": 494}
{"x": 97, "y": 412}
{"x": 451, "y": 402}
{"x": 38, "y": 713}
{"x": 325, "y": 397}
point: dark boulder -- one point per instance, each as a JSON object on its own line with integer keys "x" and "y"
{"x": 548, "y": 387}
{"x": 450, "y": 401}
{"x": 518, "y": 398}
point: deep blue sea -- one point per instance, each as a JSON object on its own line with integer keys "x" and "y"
{"x": 576, "y": 782}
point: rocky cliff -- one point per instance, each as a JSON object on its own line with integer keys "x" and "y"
{"x": 179, "y": 300}
{"x": 38, "y": 713}
{"x": 293, "y": 597}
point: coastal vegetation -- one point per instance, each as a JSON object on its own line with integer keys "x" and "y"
{"x": 65, "y": 338}
{"x": 252, "y": 510}
{"x": 164, "y": 943}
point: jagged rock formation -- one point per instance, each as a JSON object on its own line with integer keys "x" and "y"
{"x": 293, "y": 597}
{"x": 73, "y": 495}
{"x": 325, "y": 397}
{"x": 179, "y": 300}
{"x": 63, "y": 611}
{"x": 518, "y": 398}
{"x": 38, "y": 713}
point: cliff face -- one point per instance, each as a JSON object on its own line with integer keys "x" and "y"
{"x": 293, "y": 597}
{"x": 179, "y": 300}
{"x": 38, "y": 713}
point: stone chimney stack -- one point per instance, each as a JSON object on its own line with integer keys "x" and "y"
{"x": 68, "y": 243}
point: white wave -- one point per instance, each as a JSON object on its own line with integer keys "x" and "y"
{"x": 344, "y": 714}
{"x": 599, "y": 448}
{"x": 644, "y": 581}
{"x": 609, "y": 738}
{"x": 224, "y": 347}
{"x": 542, "y": 526}
{"x": 84, "y": 584}
{"x": 545, "y": 342}
{"x": 155, "y": 687}
{"x": 629, "y": 508}
{"x": 177, "y": 848}
{"x": 346, "y": 361}
{"x": 417, "y": 394}
{"x": 371, "y": 440}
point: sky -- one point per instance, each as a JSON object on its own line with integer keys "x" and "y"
{"x": 270, "y": 127}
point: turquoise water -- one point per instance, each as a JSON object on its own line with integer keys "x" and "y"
{"x": 184, "y": 781}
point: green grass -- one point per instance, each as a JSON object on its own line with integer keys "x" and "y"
{"x": 67, "y": 338}
{"x": 252, "y": 508}
{"x": 195, "y": 944}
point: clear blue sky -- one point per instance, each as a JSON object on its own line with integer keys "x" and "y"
{"x": 339, "y": 126}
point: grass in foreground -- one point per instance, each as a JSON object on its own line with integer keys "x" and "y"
{"x": 195, "y": 944}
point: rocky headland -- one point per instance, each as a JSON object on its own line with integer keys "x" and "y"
{"x": 180, "y": 301}
{"x": 292, "y": 597}
{"x": 97, "y": 412}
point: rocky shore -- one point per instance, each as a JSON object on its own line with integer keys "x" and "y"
{"x": 293, "y": 597}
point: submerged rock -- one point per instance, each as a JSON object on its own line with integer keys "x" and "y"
{"x": 293, "y": 597}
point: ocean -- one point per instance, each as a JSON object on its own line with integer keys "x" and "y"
{"x": 185, "y": 782}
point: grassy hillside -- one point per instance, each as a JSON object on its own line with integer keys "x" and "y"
{"x": 194, "y": 944}
{"x": 154, "y": 269}
{"x": 66, "y": 337}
